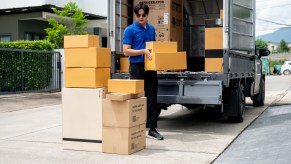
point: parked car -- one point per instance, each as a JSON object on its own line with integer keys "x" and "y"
{"x": 286, "y": 68}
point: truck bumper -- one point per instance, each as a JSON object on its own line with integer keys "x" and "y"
{"x": 190, "y": 92}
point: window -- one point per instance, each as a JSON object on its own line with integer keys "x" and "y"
{"x": 5, "y": 38}
{"x": 33, "y": 36}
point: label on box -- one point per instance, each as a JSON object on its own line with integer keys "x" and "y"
{"x": 166, "y": 18}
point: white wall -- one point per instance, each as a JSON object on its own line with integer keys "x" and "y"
{"x": 97, "y": 7}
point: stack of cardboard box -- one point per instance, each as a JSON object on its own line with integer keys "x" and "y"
{"x": 124, "y": 117}
{"x": 167, "y": 18}
{"x": 87, "y": 70}
{"x": 165, "y": 57}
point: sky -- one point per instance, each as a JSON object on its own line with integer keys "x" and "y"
{"x": 277, "y": 11}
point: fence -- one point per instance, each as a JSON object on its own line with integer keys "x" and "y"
{"x": 280, "y": 56}
{"x": 29, "y": 71}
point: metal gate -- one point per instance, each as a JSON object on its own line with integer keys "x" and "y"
{"x": 29, "y": 71}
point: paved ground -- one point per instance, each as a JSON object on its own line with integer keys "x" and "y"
{"x": 192, "y": 136}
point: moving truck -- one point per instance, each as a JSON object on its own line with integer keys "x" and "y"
{"x": 223, "y": 64}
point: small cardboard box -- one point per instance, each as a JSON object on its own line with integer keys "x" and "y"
{"x": 79, "y": 41}
{"x": 87, "y": 57}
{"x": 166, "y": 61}
{"x": 125, "y": 86}
{"x": 162, "y": 47}
{"x": 123, "y": 96}
{"x": 82, "y": 118}
{"x": 124, "y": 65}
{"x": 213, "y": 64}
{"x": 126, "y": 114}
{"x": 124, "y": 140}
{"x": 86, "y": 77}
{"x": 214, "y": 38}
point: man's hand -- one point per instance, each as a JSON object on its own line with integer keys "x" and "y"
{"x": 147, "y": 53}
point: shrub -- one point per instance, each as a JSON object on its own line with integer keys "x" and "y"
{"x": 22, "y": 70}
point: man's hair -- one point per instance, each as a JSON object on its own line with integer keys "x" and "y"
{"x": 143, "y": 6}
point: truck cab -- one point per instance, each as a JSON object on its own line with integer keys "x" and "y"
{"x": 220, "y": 72}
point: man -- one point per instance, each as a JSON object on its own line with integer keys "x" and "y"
{"x": 134, "y": 44}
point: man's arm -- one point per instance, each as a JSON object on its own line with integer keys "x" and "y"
{"x": 128, "y": 51}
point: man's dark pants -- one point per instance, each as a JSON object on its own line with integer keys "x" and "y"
{"x": 151, "y": 90}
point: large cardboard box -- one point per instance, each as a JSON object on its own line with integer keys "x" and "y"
{"x": 167, "y": 18}
{"x": 126, "y": 114}
{"x": 78, "y": 41}
{"x": 124, "y": 65}
{"x": 124, "y": 140}
{"x": 162, "y": 47}
{"x": 87, "y": 57}
{"x": 82, "y": 118}
{"x": 125, "y": 86}
{"x": 166, "y": 61}
{"x": 86, "y": 77}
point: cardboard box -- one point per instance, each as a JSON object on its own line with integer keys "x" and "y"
{"x": 162, "y": 47}
{"x": 82, "y": 118}
{"x": 126, "y": 114}
{"x": 125, "y": 86}
{"x": 124, "y": 140}
{"x": 123, "y": 96}
{"x": 166, "y": 61}
{"x": 213, "y": 38}
{"x": 213, "y": 64}
{"x": 221, "y": 14}
{"x": 78, "y": 41}
{"x": 87, "y": 57}
{"x": 124, "y": 65}
{"x": 167, "y": 18}
{"x": 86, "y": 77}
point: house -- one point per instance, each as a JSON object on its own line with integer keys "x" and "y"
{"x": 26, "y": 20}
{"x": 272, "y": 46}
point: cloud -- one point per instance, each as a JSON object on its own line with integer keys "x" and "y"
{"x": 272, "y": 10}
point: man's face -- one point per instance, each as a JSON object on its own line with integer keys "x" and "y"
{"x": 141, "y": 17}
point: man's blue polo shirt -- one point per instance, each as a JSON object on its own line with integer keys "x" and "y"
{"x": 137, "y": 36}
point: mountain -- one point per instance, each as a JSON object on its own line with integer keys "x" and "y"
{"x": 277, "y": 36}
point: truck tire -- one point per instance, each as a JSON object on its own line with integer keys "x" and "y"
{"x": 259, "y": 99}
{"x": 238, "y": 104}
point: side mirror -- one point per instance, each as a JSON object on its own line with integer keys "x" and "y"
{"x": 264, "y": 52}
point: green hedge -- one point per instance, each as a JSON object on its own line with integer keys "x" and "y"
{"x": 25, "y": 71}
{"x": 28, "y": 45}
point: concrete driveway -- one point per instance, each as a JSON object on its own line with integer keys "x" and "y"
{"x": 191, "y": 136}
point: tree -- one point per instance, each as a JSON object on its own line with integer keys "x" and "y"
{"x": 260, "y": 44}
{"x": 283, "y": 47}
{"x": 71, "y": 21}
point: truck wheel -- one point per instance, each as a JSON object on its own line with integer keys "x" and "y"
{"x": 238, "y": 105}
{"x": 286, "y": 72}
{"x": 259, "y": 99}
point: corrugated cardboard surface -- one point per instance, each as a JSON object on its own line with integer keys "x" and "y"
{"x": 213, "y": 64}
{"x": 85, "y": 146}
{"x": 167, "y": 18}
{"x": 82, "y": 117}
{"x": 125, "y": 86}
{"x": 124, "y": 140}
{"x": 162, "y": 47}
{"x": 167, "y": 61}
{"x": 86, "y": 77}
{"x": 127, "y": 113}
{"x": 213, "y": 38}
{"x": 78, "y": 41}
{"x": 87, "y": 57}
{"x": 124, "y": 65}
{"x": 123, "y": 96}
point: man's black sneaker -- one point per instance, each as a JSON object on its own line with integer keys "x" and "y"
{"x": 153, "y": 133}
